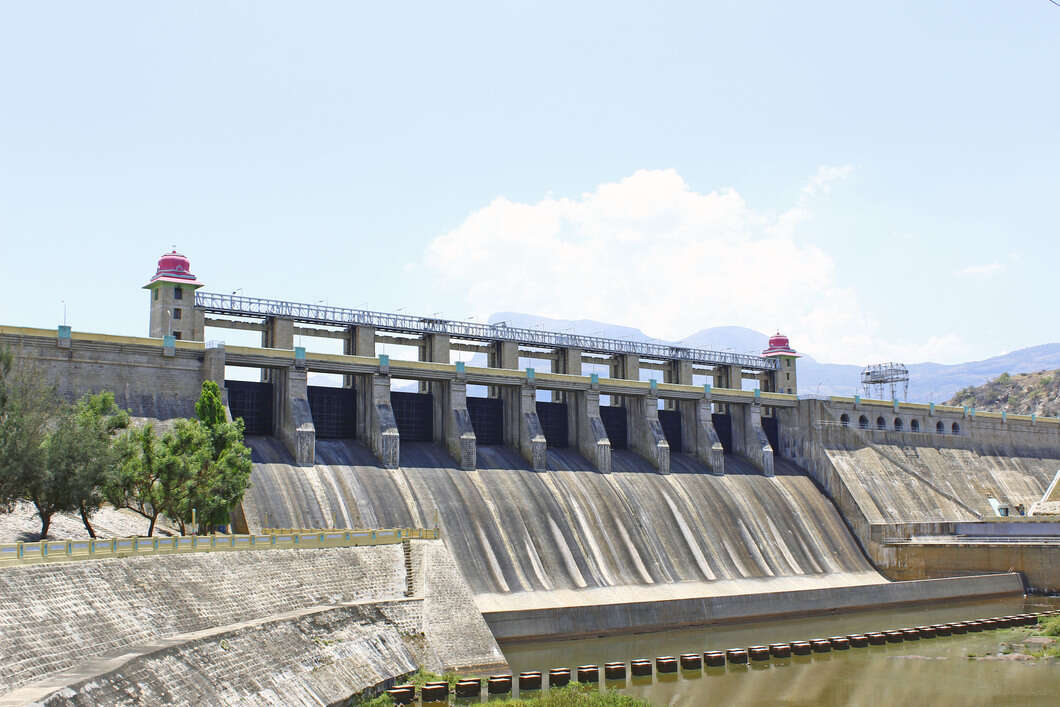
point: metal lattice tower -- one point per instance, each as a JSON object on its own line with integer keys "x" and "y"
{"x": 883, "y": 376}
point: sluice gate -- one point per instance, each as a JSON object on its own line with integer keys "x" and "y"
{"x": 334, "y": 411}
{"x": 771, "y": 427}
{"x": 414, "y": 414}
{"x": 614, "y": 419}
{"x": 723, "y": 426}
{"x": 487, "y": 419}
{"x": 553, "y": 418}
{"x": 671, "y": 426}
{"x": 251, "y": 401}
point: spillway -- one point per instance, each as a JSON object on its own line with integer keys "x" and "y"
{"x": 919, "y": 483}
{"x": 519, "y": 533}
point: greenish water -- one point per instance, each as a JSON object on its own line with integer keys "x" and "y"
{"x": 934, "y": 671}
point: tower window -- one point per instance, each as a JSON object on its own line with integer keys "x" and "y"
{"x": 178, "y": 292}
{"x": 176, "y": 335}
{"x": 156, "y": 294}
{"x": 176, "y": 313}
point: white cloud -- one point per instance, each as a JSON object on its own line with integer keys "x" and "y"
{"x": 649, "y": 252}
{"x": 982, "y": 270}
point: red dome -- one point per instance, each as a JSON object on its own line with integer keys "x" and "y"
{"x": 779, "y": 346}
{"x": 174, "y": 267}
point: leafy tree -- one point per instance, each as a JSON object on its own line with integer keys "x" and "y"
{"x": 140, "y": 480}
{"x": 199, "y": 465}
{"x": 80, "y": 453}
{"x": 27, "y": 410}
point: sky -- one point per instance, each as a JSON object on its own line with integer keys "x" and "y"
{"x": 877, "y": 180}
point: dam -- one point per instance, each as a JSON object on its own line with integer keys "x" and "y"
{"x": 683, "y": 488}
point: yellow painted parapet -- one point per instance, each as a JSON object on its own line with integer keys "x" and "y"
{"x": 70, "y": 550}
{"x": 100, "y": 338}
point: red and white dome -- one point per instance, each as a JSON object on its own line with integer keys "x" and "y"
{"x": 779, "y": 346}
{"x": 174, "y": 267}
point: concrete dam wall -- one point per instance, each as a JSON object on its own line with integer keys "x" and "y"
{"x": 525, "y": 539}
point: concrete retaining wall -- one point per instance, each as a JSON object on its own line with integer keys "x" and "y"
{"x": 58, "y": 617}
{"x": 1039, "y": 563}
{"x": 660, "y": 615}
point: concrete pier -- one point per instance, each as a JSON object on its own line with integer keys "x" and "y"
{"x": 698, "y": 427}
{"x": 455, "y": 430}
{"x": 294, "y": 419}
{"x": 530, "y": 439}
{"x": 591, "y": 436}
{"x": 376, "y": 425}
{"x": 646, "y": 433}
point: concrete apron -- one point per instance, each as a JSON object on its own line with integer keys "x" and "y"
{"x": 593, "y": 617}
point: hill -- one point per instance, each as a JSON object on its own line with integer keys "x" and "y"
{"x": 1021, "y": 394}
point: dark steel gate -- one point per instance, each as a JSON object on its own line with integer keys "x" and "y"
{"x": 253, "y": 402}
{"x": 723, "y": 426}
{"x": 553, "y": 417}
{"x": 671, "y": 424}
{"x": 414, "y": 413}
{"x": 769, "y": 426}
{"x": 334, "y": 411}
{"x": 487, "y": 419}
{"x": 614, "y": 419}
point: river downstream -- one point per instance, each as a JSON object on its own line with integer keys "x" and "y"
{"x": 934, "y": 671}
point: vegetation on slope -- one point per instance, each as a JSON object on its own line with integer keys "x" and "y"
{"x": 1020, "y": 394}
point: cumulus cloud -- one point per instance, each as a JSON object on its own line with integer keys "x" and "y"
{"x": 981, "y": 270}
{"x": 650, "y": 252}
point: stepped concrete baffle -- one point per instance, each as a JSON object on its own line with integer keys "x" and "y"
{"x": 911, "y": 634}
{"x": 942, "y": 629}
{"x": 614, "y": 671}
{"x": 839, "y": 643}
{"x": 588, "y": 673}
{"x": 691, "y": 661}
{"x": 640, "y": 667}
{"x": 737, "y": 656}
{"x": 403, "y": 695}
{"x": 758, "y": 653}
{"x": 894, "y": 636}
{"x": 499, "y": 684}
{"x": 958, "y": 629}
{"x": 780, "y": 650}
{"x": 858, "y": 640}
{"x": 666, "y": 664}
{"x": 821, "y": 645}
{"x": 469, "y": 688}
{"x": 714, "y": 659}
{"x": 801, "y": 647}
{"x": 927, "y": 631}
{"x": 530, "y": 680}
{"x": 558, "y": 677}
{"x": 435, "y": 692}
{"x": 876, "y": 638}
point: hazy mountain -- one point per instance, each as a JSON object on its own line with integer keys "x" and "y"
{"x": 927, "y": 381}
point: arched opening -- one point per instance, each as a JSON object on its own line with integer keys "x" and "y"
{"x": 844, "y": 420}
{"x": 914, "y": 426}
{"x": 863, "y": 422}
{"x": 956, "y": 428}
{"x": 881, "y": 424}
{"x": 940, "y": 428}
{"x": 897, "y": 424}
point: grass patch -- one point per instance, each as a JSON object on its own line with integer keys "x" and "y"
{"x": 579, "y": 695}
{"x": 1049, "y": 626}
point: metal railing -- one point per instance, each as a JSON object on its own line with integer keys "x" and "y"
{"x": 239, "y": 305}
{"x": 70, "y": 550}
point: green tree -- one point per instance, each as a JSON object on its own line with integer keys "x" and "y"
{"x": 210, "y": 409}
{"x": 28, "y": 408}
{"x": 80, "y": 454}
{"x": 141, "y": 480}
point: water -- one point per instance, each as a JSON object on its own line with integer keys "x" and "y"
{"x": 929, "y": 671}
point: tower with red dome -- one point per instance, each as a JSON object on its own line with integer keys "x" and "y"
{"x": 172, "y": 292}
{"x": 785, "y": 380}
